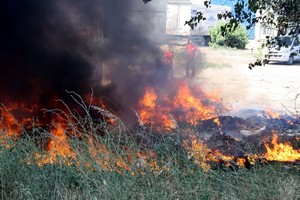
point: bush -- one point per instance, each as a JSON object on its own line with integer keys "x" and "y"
{"x": 236, "y": 39}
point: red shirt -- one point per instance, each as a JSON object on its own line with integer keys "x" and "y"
{"x": 191, "y": 51}
{"x": 169, "y": 57}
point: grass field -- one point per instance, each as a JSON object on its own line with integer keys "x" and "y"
{"x": 121, "y": 165}
{"x": 80, "y": 156}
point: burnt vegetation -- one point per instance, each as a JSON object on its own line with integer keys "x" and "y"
{"x": 92, "y": 144}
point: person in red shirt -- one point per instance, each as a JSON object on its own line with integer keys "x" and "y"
{"x": 191, "y": 55}
{"x": 169, "y": 61}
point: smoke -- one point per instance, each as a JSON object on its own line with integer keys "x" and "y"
{"x": 48, "y": 47}
{"x": 131, "y": 52}
{"x": 41, "y": 53}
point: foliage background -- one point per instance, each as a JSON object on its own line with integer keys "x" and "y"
{"x": 235, "y": 39}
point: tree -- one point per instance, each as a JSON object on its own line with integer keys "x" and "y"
{"x": 235, "y": 39}
{"x": 284, "y": 15}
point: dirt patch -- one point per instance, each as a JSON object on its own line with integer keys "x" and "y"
{"x": 225, "y": 57}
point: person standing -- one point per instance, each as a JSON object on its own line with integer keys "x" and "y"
{"x": 169, "y": 61}
{"x": 191, "y": 55}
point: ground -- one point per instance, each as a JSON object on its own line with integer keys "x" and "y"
{"x": 273, "y": 86}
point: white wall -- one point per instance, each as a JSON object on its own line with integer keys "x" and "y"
{"x": 177, "y": 15}
{"x": 211, "y": 17}
{"x": 178, "y": 12}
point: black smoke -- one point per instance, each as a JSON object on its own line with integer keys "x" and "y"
{"x": 131, "y": 51}
{"x": 48, "y": 47}
{"x": 41, "y": 53}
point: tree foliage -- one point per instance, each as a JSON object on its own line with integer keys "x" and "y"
{"x": 284, "y": 15}
{"x": 235, "y": 39}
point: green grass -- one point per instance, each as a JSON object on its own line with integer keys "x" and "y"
{"x": 180, "y": 179}
{"x": 175, "y": 175}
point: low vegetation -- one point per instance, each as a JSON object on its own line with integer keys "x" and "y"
{"x": 183, "y": 179}
{"x": 235, "y": 39}
{"x": 126, "y": 164}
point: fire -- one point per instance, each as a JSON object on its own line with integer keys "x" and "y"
{"x": 149, "y": 98}
{"x": 131, "y": 160}
{"x": 13, "y": 119}
{"x": 152, "y": 113}
{"x": 270, "y": 114}
{"x": 203, "y": 155}
{"x": 192, "y": 106}
{"x": 281, "y": 152}
{"x": 9, "y": 126}
{"x": 240, "y": 162}
{"x": 157, "y": 108}
{"x": 58, "y": 146}
{"x": 163, "y": 111}
{"x": 106, "y": 159}
{"x": 58, "y": 149}
{"x": 217, "y": 121}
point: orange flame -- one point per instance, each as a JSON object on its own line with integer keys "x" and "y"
{"x": 203, "y": 155}
{"x": 130, "y": 160}
{"x": 270, "y": 114}
{"x": 154, "y": 109}
{"x": 58, "y": 146}
{"x": 217, "y": 121}
{"x": 149, "y": 98}
{"x": 160, "y": 110}
{"x": 192, "y": 106}
{"x": 10, "y": 126}
{"x": 281, "y": 152}
{"x": 153, "y": 114}
{"x": 240, "y": 162}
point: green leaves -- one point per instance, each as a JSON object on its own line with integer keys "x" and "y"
{"x": 193, "y": 22}
{"x": 235, "y": 37}
{"x": 207, "y": 3}
{"x": 283, "y": 15}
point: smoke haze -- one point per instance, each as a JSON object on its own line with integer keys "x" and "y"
{"x": 48, "y": 47}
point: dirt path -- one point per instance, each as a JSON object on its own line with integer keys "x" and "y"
{"x": 273, "y": 86}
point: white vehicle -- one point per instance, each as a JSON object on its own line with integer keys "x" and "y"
{"x": 285, "y": 49}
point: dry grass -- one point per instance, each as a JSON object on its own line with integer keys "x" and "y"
{"x": 178, "y": 177}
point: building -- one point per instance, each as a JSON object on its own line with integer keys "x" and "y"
{"x": 180, "y": 11}
{"x": 262, "y": 31}
{"x": 211, "y": 17}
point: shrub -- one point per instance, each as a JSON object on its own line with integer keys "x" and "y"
{"x": 236, "y": 39}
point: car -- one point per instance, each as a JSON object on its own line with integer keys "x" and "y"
{"x": 284, "y": 49}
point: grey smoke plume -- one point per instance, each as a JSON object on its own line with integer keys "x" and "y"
{"x": 48, "y": 47}
{"x": 130, "y": 49}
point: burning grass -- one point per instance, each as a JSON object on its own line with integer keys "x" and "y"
{"x": 103, "y": 173}
{"x": 82, "y": 156}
